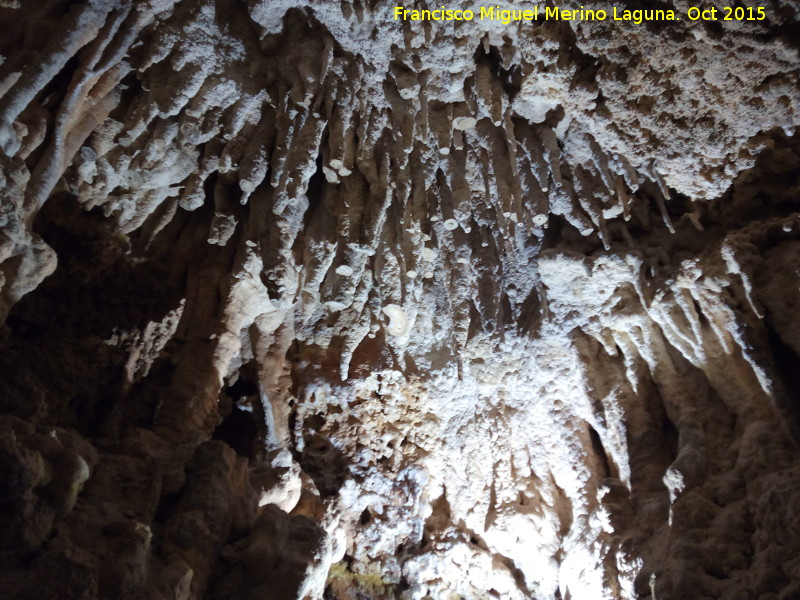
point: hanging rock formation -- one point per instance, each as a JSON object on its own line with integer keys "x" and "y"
{"x": 300, "y": 300}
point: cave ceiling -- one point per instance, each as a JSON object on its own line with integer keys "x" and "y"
{"x": 301, "y": 300}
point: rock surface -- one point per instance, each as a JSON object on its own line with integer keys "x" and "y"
{"x": 299, "y": 300}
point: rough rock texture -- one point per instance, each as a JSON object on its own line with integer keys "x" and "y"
{"x": 299, "y": 300}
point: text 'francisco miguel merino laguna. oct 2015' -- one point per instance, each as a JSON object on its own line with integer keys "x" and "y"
{"x": 556, "y": 13}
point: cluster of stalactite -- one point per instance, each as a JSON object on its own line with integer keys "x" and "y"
{"x": 302, "y": 300}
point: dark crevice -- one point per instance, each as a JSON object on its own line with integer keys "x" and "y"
{"x": 238, "y": 430}
{"x": 787, "y": 364}
{"x": 600, "y": 452}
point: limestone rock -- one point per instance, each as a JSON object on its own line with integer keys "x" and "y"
{"x": 303, "y": 301}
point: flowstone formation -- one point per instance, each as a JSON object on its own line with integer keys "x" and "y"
{"x": 301, "y": 301}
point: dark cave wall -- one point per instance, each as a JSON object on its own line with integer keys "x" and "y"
{"x": 301, "y": 301}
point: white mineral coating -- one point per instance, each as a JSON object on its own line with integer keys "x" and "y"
{"x": 344, "y": 270}
{"x": 450, "y": 224}
{"x": 398, "y": 321}
{"x": 428, "y": 254}
{"x": 539, "y": 219}
{"x": 464, "y": 123}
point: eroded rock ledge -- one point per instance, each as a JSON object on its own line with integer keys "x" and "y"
{"x": 300, "y": 300}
